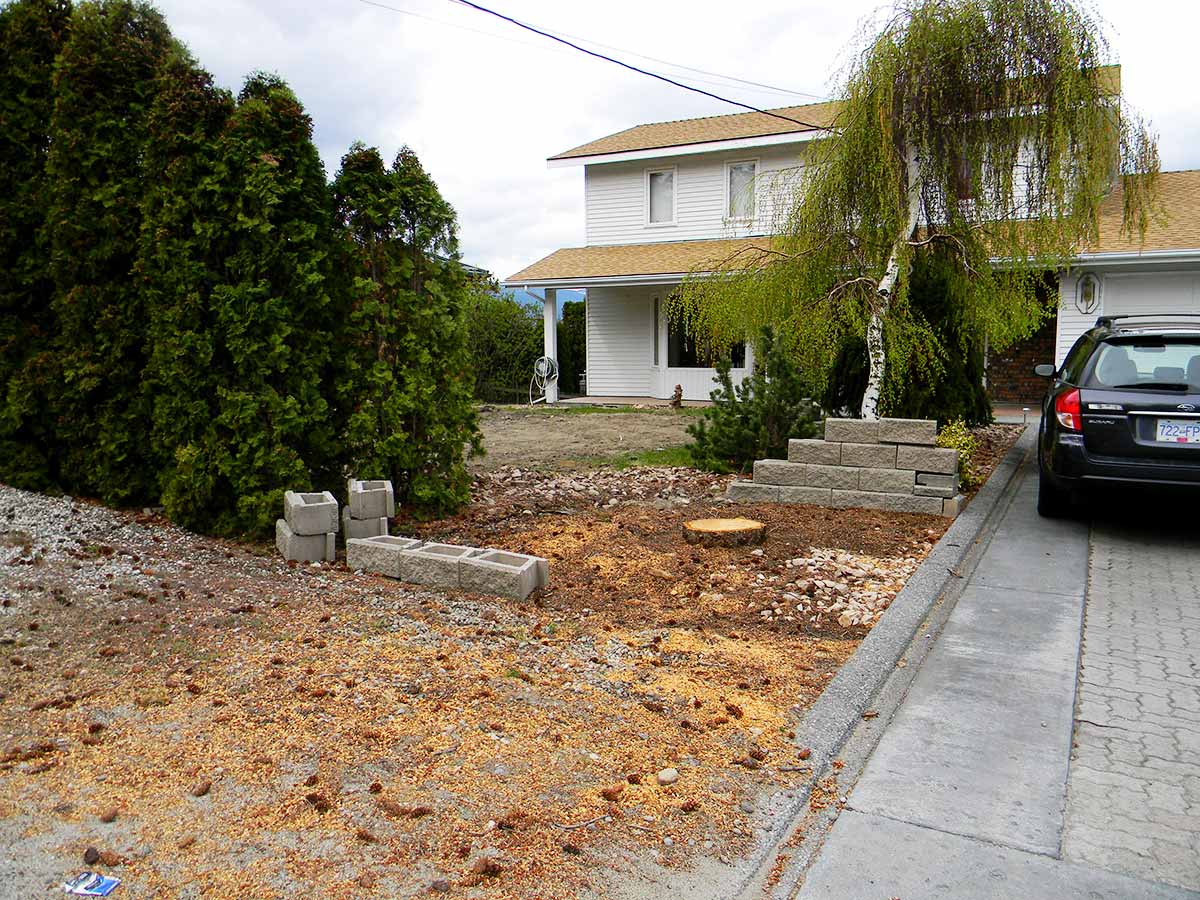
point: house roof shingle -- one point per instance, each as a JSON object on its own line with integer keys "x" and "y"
{"x": 1179, "y": 229}
{"x": 658, "y": 135}
{"x": 670, "y": 258}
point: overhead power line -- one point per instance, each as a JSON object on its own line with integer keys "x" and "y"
{"x": 640, "y": 71}
{"x": 725, "y": 80}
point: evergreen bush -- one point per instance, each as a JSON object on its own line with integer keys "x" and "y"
{"x": 756, "y": 419}
{"x": 505, "y": 340}
{"x": 572, "y": 346}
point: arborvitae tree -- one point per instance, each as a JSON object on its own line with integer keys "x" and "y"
{"x": 406, "y": 379}
{"x": 31, "y": 34}
{"x": 184, "y": 232}
{"x": 247, "y": 416}
{"x": 104, "y": 85}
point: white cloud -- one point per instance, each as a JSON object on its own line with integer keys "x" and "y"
{"x": 483, "y": 111}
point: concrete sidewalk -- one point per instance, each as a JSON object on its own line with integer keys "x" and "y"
{"x": 965, "y": 795}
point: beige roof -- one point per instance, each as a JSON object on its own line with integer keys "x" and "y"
{"x": 1177, "y": 229}
{"x": 710, "y": 128}
{"x": 672, "y": 258}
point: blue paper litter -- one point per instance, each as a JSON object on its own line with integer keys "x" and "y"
{"x": 90, "y": 884}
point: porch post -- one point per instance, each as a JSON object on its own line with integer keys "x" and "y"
{"x": 550, "y": 338}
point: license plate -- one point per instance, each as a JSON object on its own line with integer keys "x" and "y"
{"x": 1178, "y": 431}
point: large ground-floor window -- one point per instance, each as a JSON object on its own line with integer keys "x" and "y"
{"x": 686, "y": 351}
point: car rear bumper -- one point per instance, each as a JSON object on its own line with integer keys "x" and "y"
{"x": 1069, "y": 463}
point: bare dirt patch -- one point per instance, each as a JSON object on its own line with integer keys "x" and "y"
{"x": 262, "y": 729}
{"x": 567, "y": 439}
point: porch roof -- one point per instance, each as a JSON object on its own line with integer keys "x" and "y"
{"x": 1177, "y": 229}
{"x": 633, "y": 263}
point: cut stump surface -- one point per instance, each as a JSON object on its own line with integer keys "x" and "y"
{"x": 724, "y": 532}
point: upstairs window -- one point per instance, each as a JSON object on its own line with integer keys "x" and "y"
{"x": 739, "y": 190}
{"x": 660, "y": 197}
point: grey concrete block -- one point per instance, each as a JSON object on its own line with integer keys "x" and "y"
{"x": 939, "y": 460}
{"x": 362, "y": 528}
{"x": 749, "y": 492}
{"x": 812, "y": 496}
{"x": 931, "y": 506}
{"x": 378, "y": 555}
{"x": 943, "y": 481}
{"x": 504, "y": 574}
{"x": 304, "y": 547}
{"x": 875, "y": 456}
{"x": 934, "y": 490}
{"x": 842, "y": 477}
{"x": 952, "y": 506}
{"x": 776, "y": 471}
{"x": 908, "y": 431}
{"x": 435, "y": 565}
{"x": 887, "y": 481}
{"x": 370, "y": 499}
{"x": 822, "y": 453}
{"x": 310, "y": 512}
{"x": 852, "y": 431}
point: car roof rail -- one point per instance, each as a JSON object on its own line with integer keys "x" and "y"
{"x": 1107, "y": 321}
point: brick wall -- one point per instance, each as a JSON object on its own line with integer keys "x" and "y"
{"x": 1010, "y": 377}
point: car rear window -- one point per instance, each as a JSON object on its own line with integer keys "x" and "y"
{"x": 1147, "y": 363}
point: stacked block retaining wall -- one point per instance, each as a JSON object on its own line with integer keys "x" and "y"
{"x": 887, "y": 464}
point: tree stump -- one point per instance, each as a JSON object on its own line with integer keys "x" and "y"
{"x": 724, "y": 532}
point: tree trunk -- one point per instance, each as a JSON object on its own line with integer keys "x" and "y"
{"x": 876, "y": 354}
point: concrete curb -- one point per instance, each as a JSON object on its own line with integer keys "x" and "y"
{"x": 838, "y": 711}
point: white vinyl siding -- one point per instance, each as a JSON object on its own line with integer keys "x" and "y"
{"x": 616, "y": 197}
{"x": 1124, "y": 293}
{"x": 620, "y": 343}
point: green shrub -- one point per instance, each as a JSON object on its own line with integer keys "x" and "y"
{"x": 405, "y": 382}
{"x": 572, "y": 346}
{"x": 957, "y": 436}
{"x": 505, "y": 340}
{"x": 755, "y": 419}
{"x": 31, "y": 35}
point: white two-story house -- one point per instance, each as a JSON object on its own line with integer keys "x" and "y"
{"x": 667, "y": 199}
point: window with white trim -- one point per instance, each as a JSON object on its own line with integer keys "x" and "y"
{"x": 660, "y": 196}
{"x": 739, "y": 190}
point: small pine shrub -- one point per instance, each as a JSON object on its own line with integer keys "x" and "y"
{"x": 756, "y": 419}
{"x": 957, "y": 436}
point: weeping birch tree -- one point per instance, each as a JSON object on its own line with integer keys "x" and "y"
{"x": 983, "y": 134}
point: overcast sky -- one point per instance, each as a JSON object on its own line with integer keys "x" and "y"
{"x": 483, "y": 103}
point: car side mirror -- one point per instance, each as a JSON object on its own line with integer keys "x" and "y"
{"x": 1045, "y": 370}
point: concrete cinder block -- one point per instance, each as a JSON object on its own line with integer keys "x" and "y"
{"x": 821, "y": 453}
{"x": 932, "y": 490}
{"x": 378, "y": 555}
{"x": 953, "y": 506}
{"x": 776, "y": 471}
{"x": 362, "y": 528}
{"x": 875, "y": 456}
{"x": 887, "y": 481}
{"x": 931, "y": 506}
{"x": 938, "y": 460}
{"x": 841, "y": 477}
{"x": 370, "y": 499}
{"x": 942, "y": 481}
{"x": 908, "y": 431}
{"x": 749, "y": 492}
{"x": 304, "y": 547}
{"x": 310, "y": 512}
{"x": 435, "y": 565}
{"x": 812, "y": 496}
{"x": 852, "y": 431}
{"x": 504, "y": 574}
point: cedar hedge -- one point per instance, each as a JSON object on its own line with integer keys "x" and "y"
{"x": 190, "y": 313}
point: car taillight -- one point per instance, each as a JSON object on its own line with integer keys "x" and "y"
{"x": 1067, "y": 410}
